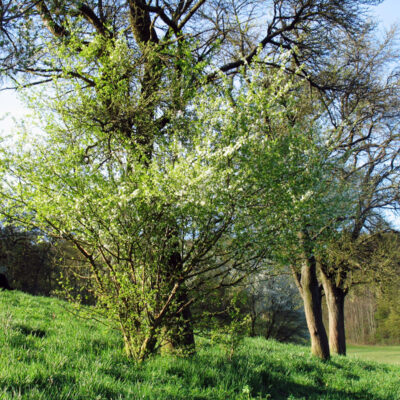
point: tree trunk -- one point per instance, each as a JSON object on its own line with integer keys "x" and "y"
{"x": 178, "y": 328}
{"x": 147, "y": 348}
{"x": 335, "y": 297}
{"x": 252, "y": 325}
{"x": 253, "y": 316}
{"x": 179, "y": 335}
{"x": 310, "y": 291}
{"x": 311, "y": 294}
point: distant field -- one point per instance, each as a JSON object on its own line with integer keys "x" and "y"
{"x": 385, "y": 354}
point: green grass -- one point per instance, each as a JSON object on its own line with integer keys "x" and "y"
{"x": 47, "y": 353}
{"x": 384, "y": 354}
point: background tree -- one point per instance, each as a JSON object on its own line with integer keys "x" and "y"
{"x": 360, "y": 322}
{"x": 275, "y": 308}
{"x": 37, "y": 265}
{"x": 26, "y": 262}
{"x": 265, "y": 304}
{"x": 374, "y": 260}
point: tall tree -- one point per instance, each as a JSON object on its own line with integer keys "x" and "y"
{"x": 369, "y": 118}
{"x": 363, "y": 116}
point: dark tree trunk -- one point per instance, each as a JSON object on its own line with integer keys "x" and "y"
{"x": 178, "y": 327}
{"x": 252, "y": 325}
{"x": 179, "y": 330}
{"x": 335, "y": 297}
{"x": 253, "y": 316}
{"x": 4, "y": 285}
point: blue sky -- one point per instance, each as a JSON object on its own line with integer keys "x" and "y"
{"x": 388, "y": 12}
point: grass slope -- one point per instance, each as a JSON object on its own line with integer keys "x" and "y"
{"x": 47, "y": 353}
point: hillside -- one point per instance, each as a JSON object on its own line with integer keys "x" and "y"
{"x": 48, "y": 353}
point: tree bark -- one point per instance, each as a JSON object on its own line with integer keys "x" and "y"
{"x": 313, "y": 310}
{"x": 335, "y": 297}
{"x": 310, "y": 291}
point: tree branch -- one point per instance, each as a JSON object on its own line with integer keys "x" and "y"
{"x": 57, "y": 30}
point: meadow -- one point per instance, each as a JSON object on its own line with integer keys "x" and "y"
{"x": 383, "y": 354}
{"x": 48, "y": 353}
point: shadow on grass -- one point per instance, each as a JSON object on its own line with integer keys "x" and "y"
{"x": 28, "y": 331}
{"x": 269, "y": 378}
{"x": 206, "y": 376}
{"x": 59, "y": 386}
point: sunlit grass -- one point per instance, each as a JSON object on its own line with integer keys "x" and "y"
{"x": 384, "y": 354}
{"x": 47, "y": 353}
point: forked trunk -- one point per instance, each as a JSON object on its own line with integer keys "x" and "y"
{"x": 335, "y": 297}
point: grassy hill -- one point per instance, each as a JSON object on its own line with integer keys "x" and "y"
{"x": 48, "y": 353}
